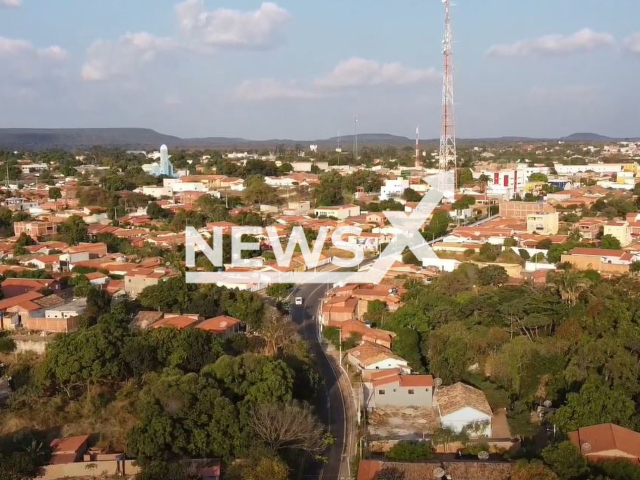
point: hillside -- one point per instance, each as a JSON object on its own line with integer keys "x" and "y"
{"x": 145, "y": 138}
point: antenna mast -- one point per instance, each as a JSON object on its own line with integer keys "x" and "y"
{"x": 418, "y": 146}
{"x": 355, "y": 144}
{"x": 448, "y": 155}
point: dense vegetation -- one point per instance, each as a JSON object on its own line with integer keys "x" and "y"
{"x": 572, "y": 342}
{"x": 167, "y": 394}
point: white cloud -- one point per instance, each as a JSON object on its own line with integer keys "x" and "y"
{"x": 267, "y": 89}
{"x": 358, "y": 72}
{"x": 200, "y": 30}
{"x": 585, "y": 40}
{"x": 10, "y": 3}
{"x": 14, "y": 47}
{"x": 108, "y": 59}
{"x": 53, "y": 52}
{"x": 222, "y": 27}
{"x": 632, "y": 43}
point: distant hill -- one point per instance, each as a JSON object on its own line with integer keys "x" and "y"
{"x": 587, "y": 137}
{"x": 145, "y": 138}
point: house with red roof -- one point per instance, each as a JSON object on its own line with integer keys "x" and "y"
{"x": 607, "y": 441}
{"x": 12, "y": 287}
{"x": 392, "y": 388}
{"x": 179, "y": 322}
{"x": 222, "y": 325}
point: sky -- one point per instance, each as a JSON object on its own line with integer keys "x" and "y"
{"x": 302, "y": 69}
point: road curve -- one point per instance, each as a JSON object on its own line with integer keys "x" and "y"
{"x": 330, "y": 404}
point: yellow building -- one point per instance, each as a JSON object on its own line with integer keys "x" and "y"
{"x": 543, "y": 223}
{"x": 619, "y": 230}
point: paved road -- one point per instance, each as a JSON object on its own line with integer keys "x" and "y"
{"x": 330, "y": 405}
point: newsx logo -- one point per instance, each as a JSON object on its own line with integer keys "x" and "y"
{"x": 407, "y": 228}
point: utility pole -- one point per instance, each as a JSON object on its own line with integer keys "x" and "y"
{"x": 355, "y": 145}
{"x": 418, "y": 146}
{"x": 448, "y": 154}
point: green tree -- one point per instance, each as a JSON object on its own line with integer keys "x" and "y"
{"x": 74, "y": 230}
{"x": 438, "y": 225}
{"x": 493, "y": 275}
{"x": 569, "y": 284}
{"x": 595, "y": 404}
{"x": 258, "y": 192}
{"x": 7, "y": 345}
{"x": 610, "y": 242}
{"x": 538, "y": 177}
{"x": 410, "y": 195}
{"x": 565, "y": 460}
{"x": 489, "y": 252}
{"x": 510, "y": 242}
{"x": 410, "y": 451}
{"x": 329, "y": 192}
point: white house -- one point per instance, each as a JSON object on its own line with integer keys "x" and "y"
{"x": 463, "y": 407}
{"x": 393, "y": 188}
{"x": 72, "y": 309}
{"x": 369, "y": 357}
{"x": 442, "y": 264}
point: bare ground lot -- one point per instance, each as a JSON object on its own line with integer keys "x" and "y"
{"x": 402, "y": 423}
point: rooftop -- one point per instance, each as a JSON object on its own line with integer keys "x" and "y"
{"x": 453, "y": 398}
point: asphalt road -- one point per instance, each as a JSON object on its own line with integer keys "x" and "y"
{"x": 330, "y": 403}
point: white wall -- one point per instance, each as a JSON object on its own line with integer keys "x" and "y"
{"x": 466, "y": 416}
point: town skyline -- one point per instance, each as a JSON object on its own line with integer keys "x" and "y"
{"x": 266, "y": 70}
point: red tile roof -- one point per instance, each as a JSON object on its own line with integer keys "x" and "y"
{"x": 606, "y": 437}
{"x": 180, "y": 322}
{"x": 219, "y": 324}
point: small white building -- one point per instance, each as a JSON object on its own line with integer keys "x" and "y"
{"x": 369, "y": 357}
{"x": 463, "y": 407}
{"x": 341, "y": 212}
{"x": 72, "y": 309}
{"x": 393, "y": 188}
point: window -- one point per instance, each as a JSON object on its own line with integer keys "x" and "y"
{"x": 410, "y": 392}
{"x": 380, "y": 392}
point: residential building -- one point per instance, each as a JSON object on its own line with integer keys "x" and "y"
{"x": 463, "y": 407}
{"x": 138, "y": 279}
{"x": 521, "y": 210}
{"x": 607, "y": 441}
{"x": 392, "y": 388}
{"x": 35, "y": 229}
{"x": 619, "y": 230}
{"x": 341, "y": 212}
{"x": 393, "y": 187}
{"x": 179, "y": 322}
{"x": 608, "y": 262}
{"x": 369, "y": 357}
{"x": 223, "y": 325}
{"x": 355, "y": 328}
{"x": 12, "y": 287}
{"x": 543, "y": 223}
{"x": 589, "y": 228}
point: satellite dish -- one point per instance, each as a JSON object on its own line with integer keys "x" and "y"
{"x": 483, "y": 455}
{"x": 438, "y": 472}
{"x": 437, "y": 382}
{"x": 547, "y": 403}
{"x": 585, "y": 447}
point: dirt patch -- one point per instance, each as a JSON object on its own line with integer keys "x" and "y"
{"x": 402, "y": 423}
